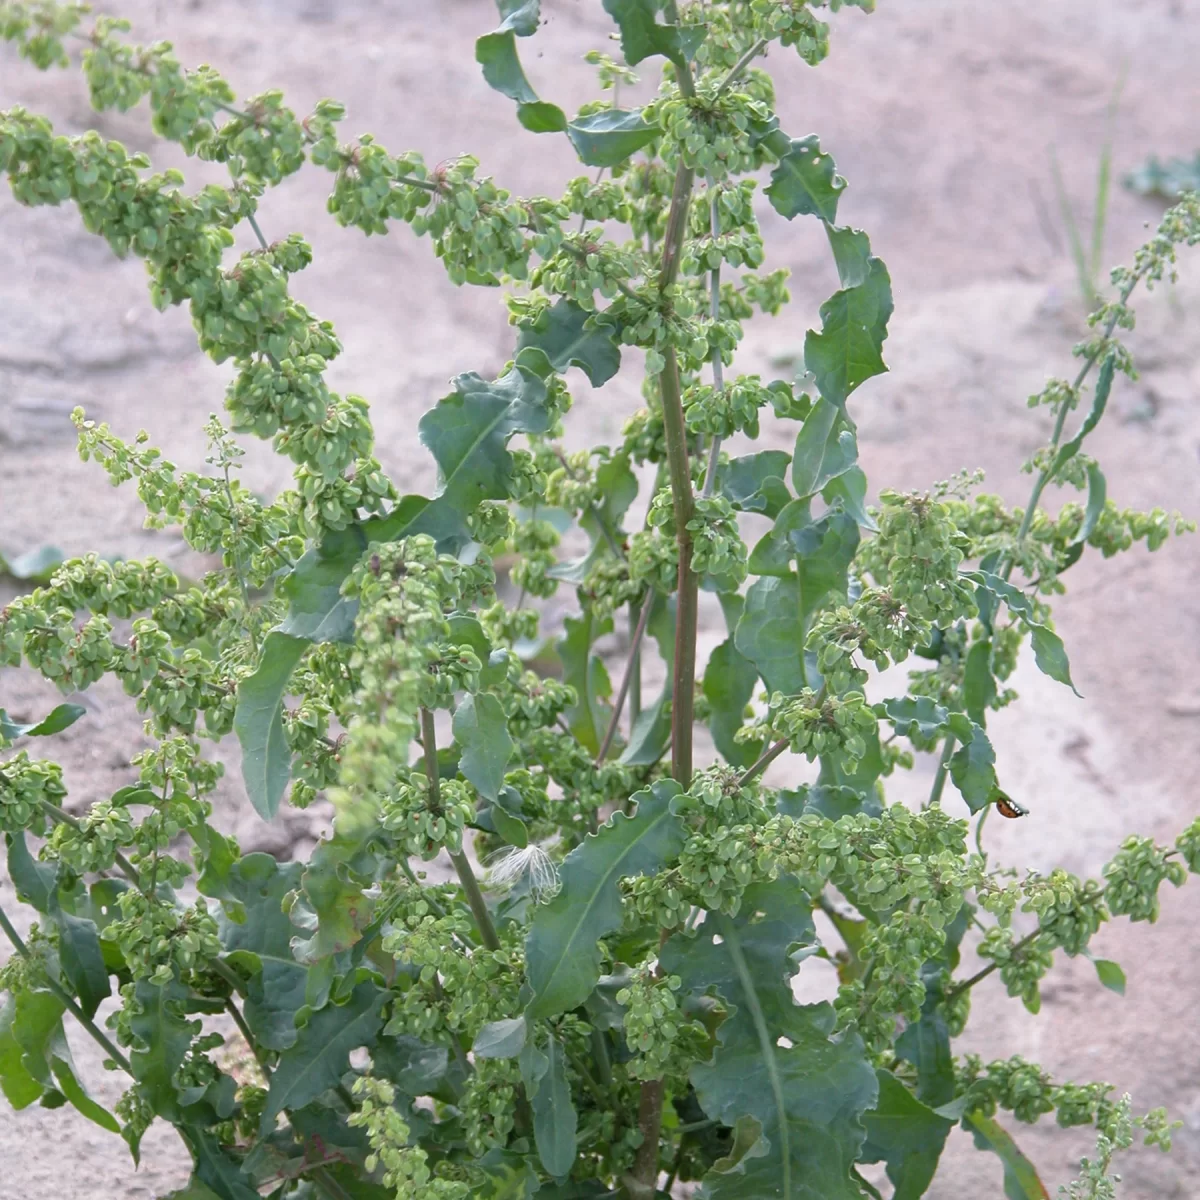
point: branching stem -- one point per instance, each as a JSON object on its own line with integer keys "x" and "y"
{"x": 631, "y": 666}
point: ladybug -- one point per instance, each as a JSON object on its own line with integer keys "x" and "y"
{"x": 1006, "y": 806}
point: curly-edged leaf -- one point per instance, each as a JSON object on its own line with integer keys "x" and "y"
{"x": 317, "y": 610}
{"x": 851, "y": 253}
{"x": 973, "y": 769}
{"x": 775, "y": 1061}
{"x": 36, "y": 882}
{"x": 335, "y": 910}
{"x": 261, "y": 942}
{"x": 321, "y": 1054}
{"x": 1104, "y": 382}
{"x": 82, "y": 960}
{"x": 805, "y": 181}
{"x": 826, "y": 447}
{"x": 1048, "y": 650}
{"x": 914, "y": 716}
{"x": 907, "y": 1135}
{"x": 562, "y": 959}
{"x": 1021, "y": 1180}
{"x": 481, "y": 730}
{"x": 754, "y": 482}
{"x": 468, "y": 430}
{"x": 651, "y": 732}
{"x": 506, "y": 1175}
{"x": 415, "y": 1067}
{"x": 55, "y": 721}
{"x": 562, "y": 333}
{"x": 773, "y": 553}
{"x": 19, "y": 1085}
{"x": 501, "y": 1039}
{"x": 824, "y": 551}
{"x": 729, "y": 681}
{"x": 216, "y": 1170}
{"x": 848, "y": 350}
{"x": 849, "y": 493}
{"x": 1110, "y": 975}
{"x": 642, "y": 36}
{"x": 521, "y": 16}
{"x": 608, "y": 137}
{"x": 258, "y": 723}
{"x": 770, "y": 633}
{"x": 588, "y": 717}
{"x": 162, "y": 1037}
{"x": 554, "y": 1117}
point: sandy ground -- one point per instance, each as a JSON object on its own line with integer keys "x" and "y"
{"x": 941, "y": 116}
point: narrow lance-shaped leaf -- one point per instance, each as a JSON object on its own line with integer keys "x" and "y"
{"x": 258, "y": 723}
{"x": 554, "y": 1117}
{"x": 1021, "y": 1181}
{"x": 651, "y": 732}
{"x": 826, "y": 447}
{"x": 1104, "y": 382}
{"x": 1048, "y": 650}
{"x": 562, "y": 959}
{"x": 55, "y": 721}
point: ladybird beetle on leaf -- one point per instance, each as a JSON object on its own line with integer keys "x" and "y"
{"x": 1006, "y": 806}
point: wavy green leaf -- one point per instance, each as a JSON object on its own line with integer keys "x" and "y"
{"x": 467, "y": 433}
{"x": 729, "y": 682}
{"x": 162, "y": 1036}
{"x": 562, "y": 958}
{"x": 588, "y": 717}
{"x": 19, "y": 1085}
{"x": 321, "y": 1053}
{"x": 773, "y": 553}
{"x": 642, "y": 35}
{"x": 851, "y": 253}
{"x": 36, "y": 882}
{"x": 805, "y": 181}
{"x": 608, "y": 137}
{"x": 82, "y": 960}
{"x": 55, "y": 721}
{"x": 562, "y": 333}
{"x": 258, "y": 723}
{"x": 1104, "y": 382}
{"x": 497, "y": 54}
{"x": 979, "y": 684}
{"x": 824, "y": 552}
{"x": 770, "y": 633}
{"x": 755, "y": 482}
{"x": 481, "y": 730}
{"x": 501, "y": 1039}
{"x": 807, "y": 1094}
{"x": 554, "y": 1117}
{"x": 260, "y": 943}
{"x": 848, "y": 350}
{"x": 1021, "y": 1180}
{"x": 973, "y": 769}
{"x": 826, "y": 447}
{"x": 907, "y": 1135}
{"x": 317, "y": 610}
{"x": 216, "y": 1170}
{"x": 1097, "y": 498}
{"x": 1110, "y": 975}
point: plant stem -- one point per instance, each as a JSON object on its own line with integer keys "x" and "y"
{"x": 635, "y": 665}
{"x": 631, "y": 663}
{"x": 258, "y": 233}
{"x": 741, "y": 64}
{"x": 967, "y": 984}
{"x": 244, "y": 1029}
{"x": 601, "y": 1058}
{"x": 228, "y": 974}
{"x": 764, "y": 760}
{"x": 66, "y": 1000}
{"x": 718, "y": 367}
{"x": 479, "y": 908}
{"x": 943, "y": 769}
